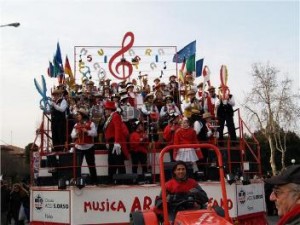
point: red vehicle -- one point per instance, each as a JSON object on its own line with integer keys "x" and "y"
{"x": 180, "y": 214}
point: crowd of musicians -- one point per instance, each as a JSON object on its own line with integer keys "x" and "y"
{"x": 125, "y": 117}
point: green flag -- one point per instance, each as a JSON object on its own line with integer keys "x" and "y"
{"x": 191, "y": 64}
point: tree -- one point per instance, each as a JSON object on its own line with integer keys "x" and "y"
{"x": 293, "y": 151}
{"x": 274, "y": 109}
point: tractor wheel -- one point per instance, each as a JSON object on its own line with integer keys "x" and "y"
{"x": 137, "y": 218}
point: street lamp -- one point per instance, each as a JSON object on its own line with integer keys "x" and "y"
{"x": 11, "y": 25}
{"x": 293, "y": 161}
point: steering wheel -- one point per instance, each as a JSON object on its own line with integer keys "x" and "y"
{"x": 187, "y": 204}
{"x": 183, "y": 201}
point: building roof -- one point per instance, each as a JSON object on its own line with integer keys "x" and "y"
{"x": 13, "y": 150}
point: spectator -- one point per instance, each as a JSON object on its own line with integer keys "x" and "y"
{"x": 268, "y": 191}
{"x": 19, "y": 199}
{"x": 286, "y": 195}
{"x": 5, "y": 194}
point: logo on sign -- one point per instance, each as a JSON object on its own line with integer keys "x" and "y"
{"x": 242, "y": 196}
{"x": 38, "y": 202}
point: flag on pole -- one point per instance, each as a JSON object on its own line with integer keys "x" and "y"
{"x": 57, "y": 61}
{"x": 50, "y": 70}
{"x": 185, "y": 53}
{"x": 57, "y": 56}
{"x": 58, "y": 65}
{"x": 199, "y": 66}
{"x": 56, "y": 68}
{"x": 190, "y": 64}
{"x": 68, "y": 69}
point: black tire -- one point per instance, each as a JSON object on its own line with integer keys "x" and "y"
{"x": 137, "y": 218}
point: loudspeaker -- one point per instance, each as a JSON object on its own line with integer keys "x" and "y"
{"x": 125, "y": 178}
{"x": 65, "y": 169}
{"x": 213, "y": 174}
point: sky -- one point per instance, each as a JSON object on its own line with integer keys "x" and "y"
{"x": 232, "y": 33}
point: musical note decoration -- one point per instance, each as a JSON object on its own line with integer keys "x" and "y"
{"x": 123, "y": 62}
{"x": 161, "y": 51}
{"x": 161, "y": 74}
{"x": 131, "y": 52}
{"x": 135, "y": 61}
{"x": 100, "y": 71}
{"x": 148, "y": 51}
{"x": 85, "y": 71}
{"x": 100, "y": 52}
{"x": 165, "y": 65}
{"x": 153, "y": 65}
{"x": 89, "y": 58}
{"x": 83, "y": 51}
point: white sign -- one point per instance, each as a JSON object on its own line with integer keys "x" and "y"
{"x": 111, "y": 204}
{"x": 250, "y": 198}
{"x": 50, "y": 206}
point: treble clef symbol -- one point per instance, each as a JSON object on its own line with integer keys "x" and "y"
{"x": 123, "y": 61}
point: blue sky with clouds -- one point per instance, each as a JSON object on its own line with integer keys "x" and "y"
{"x": 234, "y": 33}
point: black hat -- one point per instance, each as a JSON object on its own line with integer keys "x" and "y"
{"x": 290, "y": 174}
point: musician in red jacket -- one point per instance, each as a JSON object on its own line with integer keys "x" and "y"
{"x": 139, "y": 147}
{"x": 84, "y": 132}
{"x": 115, "y": 136}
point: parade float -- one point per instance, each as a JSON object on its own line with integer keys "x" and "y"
{"x": 63, "y": 198}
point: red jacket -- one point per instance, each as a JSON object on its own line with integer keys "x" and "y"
{"x": 173, "y": 186}
{"x": 138, "y": 143}
{"x": 186, "y": 136}
{"x": 117, "y": 130}
{"x": 292, "y": 217}
{"x": 168, "y": 134}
